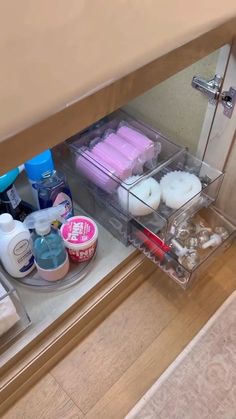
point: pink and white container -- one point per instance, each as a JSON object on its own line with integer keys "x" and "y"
{"x": 80, "y": 236}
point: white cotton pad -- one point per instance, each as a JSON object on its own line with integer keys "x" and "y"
{"x": 178, "y": 187}
{"x": 147, "y": 190}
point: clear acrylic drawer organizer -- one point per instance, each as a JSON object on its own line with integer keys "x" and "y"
{"x": 163, "y": 223}
{"x": 171, "y": 157}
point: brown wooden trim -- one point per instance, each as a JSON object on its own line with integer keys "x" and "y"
{"x": 79, "y": 115}
{"x": 73, "y": 328}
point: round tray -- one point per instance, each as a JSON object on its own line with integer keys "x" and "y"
{"x": 76, "y": 273}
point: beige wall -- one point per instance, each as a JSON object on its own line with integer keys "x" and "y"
{"x": 174, "y": 107}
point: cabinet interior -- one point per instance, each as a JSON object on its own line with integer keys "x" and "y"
{"x": 44, "y": 308}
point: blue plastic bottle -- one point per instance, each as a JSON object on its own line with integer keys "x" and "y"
{"x": 35, "y": 168}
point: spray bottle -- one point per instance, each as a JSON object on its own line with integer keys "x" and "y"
{"x": 51, "y": 258}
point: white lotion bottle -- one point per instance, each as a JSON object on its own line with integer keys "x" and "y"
{"x": 15, "y": 249}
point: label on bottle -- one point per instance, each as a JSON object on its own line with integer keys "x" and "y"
{"x": 13, "y": 197}
{"x": 23, "y": 255}
{"x": 64, "y": 199}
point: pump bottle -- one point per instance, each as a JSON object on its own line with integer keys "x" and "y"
{"x": 51, "y": 258}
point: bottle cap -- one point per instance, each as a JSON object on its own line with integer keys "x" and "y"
{"x": 42, "y": 227}
{"x": 7, "y": 179}
{"x": 7, "y": 223}
{"x": 38, "y": 165}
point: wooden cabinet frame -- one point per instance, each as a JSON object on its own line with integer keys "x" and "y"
{"x": 95, "y": 105}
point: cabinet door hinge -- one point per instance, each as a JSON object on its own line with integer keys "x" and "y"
{"x": 212, "y": 89}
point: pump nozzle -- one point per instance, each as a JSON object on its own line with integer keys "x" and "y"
{"x": 41, "y": 220}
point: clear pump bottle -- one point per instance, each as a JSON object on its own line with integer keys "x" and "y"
{"x": 51, "y": 258}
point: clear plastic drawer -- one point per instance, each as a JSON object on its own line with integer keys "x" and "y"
{"x": 188, "y": 266}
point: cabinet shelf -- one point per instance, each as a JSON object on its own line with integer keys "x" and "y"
{"x": 46, "y": 308}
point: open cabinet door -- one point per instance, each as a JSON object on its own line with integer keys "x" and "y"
{"x": 194, "y": 117}
{"x": 220, "y": 150}
{"x": 223, "y": 125}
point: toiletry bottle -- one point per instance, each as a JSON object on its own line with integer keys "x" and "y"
{"x": 15, "y": 250}
{"x": 35, "y": 168}
{"x": 10, "y": 199}
{"x": 53, "y": 190}
{"x": 50, "y": 255}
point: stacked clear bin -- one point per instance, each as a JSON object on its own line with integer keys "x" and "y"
{"x": 102, "y": 202}
{"x": 111, "y": 195}
{"x": 13, "y": 317}
{"x": 165, "y": 258}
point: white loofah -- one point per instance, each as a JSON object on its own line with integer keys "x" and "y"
{"x": 178, "y": 187}
{"x": 148, "y": 191}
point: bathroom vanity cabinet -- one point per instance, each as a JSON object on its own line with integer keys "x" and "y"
{"x": 58, "y": 89}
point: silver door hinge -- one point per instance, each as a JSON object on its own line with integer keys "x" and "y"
{"x": 212, "y": 89}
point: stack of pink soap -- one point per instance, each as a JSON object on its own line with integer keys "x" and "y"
{"x": 138, "y": 140}
{"x": 116, "y": 158}
{"x": 128, "y": 150}
{"x": 97, "y": 170}
{"x": 122, "y": 166}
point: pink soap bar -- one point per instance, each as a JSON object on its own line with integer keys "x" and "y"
{"x": 140, "y": 141}
{"x": 98, "y": 171}
{"x": 123, "y": 167}
{"x": 128, "y": 150}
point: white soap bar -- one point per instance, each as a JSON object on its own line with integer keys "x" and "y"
{"x": 8, "y": 314}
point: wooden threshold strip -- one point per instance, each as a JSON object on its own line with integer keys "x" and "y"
{"x": 30, "y": 366}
